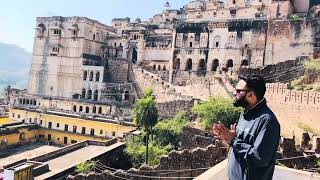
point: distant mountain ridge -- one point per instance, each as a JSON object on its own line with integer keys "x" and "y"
{"x": 14, "y": 66}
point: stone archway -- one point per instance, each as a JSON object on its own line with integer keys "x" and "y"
{"x": 229, "y": 64}
{"x": 126, "y": 95}
{"x": 189, "y": 65}
{"x": 176, "y": 64}
{"x": 95, "y": 96}
{"x": 215, "y": 65}
{"x": 244, "y": 63}
{"x": 202, "y": 65}
{"x": 134, "y": 55}
{"x": 22, "y": 136}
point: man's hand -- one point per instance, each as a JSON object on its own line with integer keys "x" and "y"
{"x": 224, "y": 133}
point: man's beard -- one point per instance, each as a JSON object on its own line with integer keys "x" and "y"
{"x": 241, "y": 102}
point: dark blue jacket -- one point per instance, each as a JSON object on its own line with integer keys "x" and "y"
{"x": 253, "y": 150}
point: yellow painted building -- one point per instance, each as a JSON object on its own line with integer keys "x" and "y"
{"x": 62, "y": 128}
{"x": 4, "y": 120}
{"x": 14, "y": 134}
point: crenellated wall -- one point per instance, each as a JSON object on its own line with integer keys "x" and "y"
{"x": 198, "y": 160}
{"x": 294, "y": 107}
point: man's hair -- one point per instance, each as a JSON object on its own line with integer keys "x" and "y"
{"x": 255, "y": 83}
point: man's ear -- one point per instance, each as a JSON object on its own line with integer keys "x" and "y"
{"x": 251, "y": 93}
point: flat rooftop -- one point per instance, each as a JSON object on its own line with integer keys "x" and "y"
{"x": 70, "y": 160}
{"x": 25, "y": 152}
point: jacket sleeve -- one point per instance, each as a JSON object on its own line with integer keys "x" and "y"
{"x": 261, "y": 152}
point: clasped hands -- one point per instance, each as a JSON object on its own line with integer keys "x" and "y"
{"x": 223, "y": 133}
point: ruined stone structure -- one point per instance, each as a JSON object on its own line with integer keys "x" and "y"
{"x": 293, "y": 107}
{"x": 197, "y": 159}
{"x": 76, "y": 57}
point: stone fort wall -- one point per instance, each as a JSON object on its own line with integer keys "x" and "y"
{"x": 294, "y": 107}
{"x": 176, "y": 164}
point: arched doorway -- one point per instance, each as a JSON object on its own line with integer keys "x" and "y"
{"x": 22, "y": 136}
{"x": 134, "y": 55}
{"x": 126, "y": 95}
{"x": 95, "y": 96}
{"x": 83, "y": 93}
{"x": 176, "y": 64}
{"x": 91, "y": 76}
{"x": 94, "y": 109}
{"x": 229, "y": 64}
{"x": 215, "y": 65}
{"x": 244, "y": 63}
{"x": 90, "y": 94}
{"x": 189, "y": 65}
{"x": 202, "y": 65}
{"x": 85, "y": 74}
{"x": 98, "y": 77}
{"x": 74, "y": 108}
{"x": 87, "y": 109}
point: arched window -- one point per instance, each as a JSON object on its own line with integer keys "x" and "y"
{"x": 87, "y": 109}
{"x": 244, "y": 63}
{"x": 318, "y": 13}
{"x": 95, "y": 96}
{"x": 202, "y": 65}
{"x": 98, "y": 77}
{"x": 159, "y": 67}
{"x": 24, "y": 101}
{"x": 20, "y": 101}
{"x": 176, "y": 64}
{"x": 189, "y": 65}
{"x": 80, "y": 109}
{"x": 34, "y": 102}
{"x": 126, "y": 95}
{"x": 91, "y": 76}
{"x": 100, "y": 110}
{"x": 85, "y": 75}
{"x": 90, "y": 94}
{"x": 27, "y": 101}
{"x": 74, "y": 108}
{"x": 164, "y": 68}
{"x": 94, "y": 109}
{"x": 83, "y": 93}
{"x": 154, "y": 67}
{"x": 22, "y": 136}
{"x": 229, "y": 63}
{"x": 215, "y": 65}
{"x": 216, "y": 41}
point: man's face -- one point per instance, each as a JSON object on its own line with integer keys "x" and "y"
{"x": 240, "y": 99}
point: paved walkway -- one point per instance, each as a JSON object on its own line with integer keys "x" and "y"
{"x": 70, "y": 160}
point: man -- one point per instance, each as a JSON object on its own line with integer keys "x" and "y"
{"x": 255, "y": 138}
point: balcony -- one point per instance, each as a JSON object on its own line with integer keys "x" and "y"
{"x": 220, "y": 170}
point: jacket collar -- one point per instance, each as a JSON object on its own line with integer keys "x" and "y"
{"x": 255, "y": 108}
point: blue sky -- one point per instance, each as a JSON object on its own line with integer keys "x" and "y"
{"x": 17, "y": 17}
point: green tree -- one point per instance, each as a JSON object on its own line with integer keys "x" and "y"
{"x": 167, "y": 131}
{"x": 145, "y": 114}
{"x": 217, "y": 109}
{"x": 85, "y": 167}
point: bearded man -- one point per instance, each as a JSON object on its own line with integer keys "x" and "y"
{"x": 254, "y": 140}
